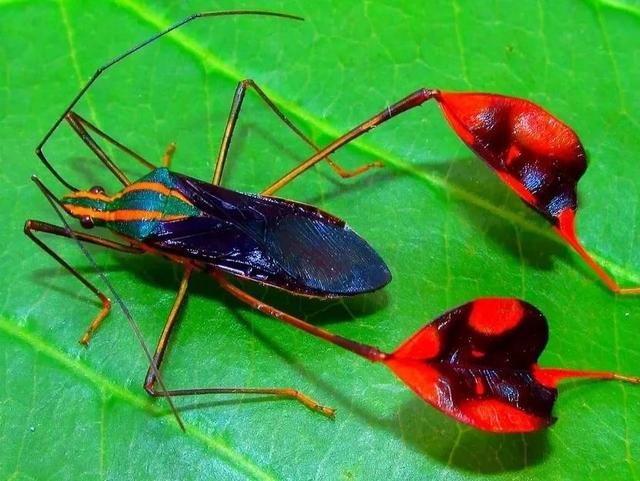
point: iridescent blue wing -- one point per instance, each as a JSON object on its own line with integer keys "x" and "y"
{"x": 274, "y": 241}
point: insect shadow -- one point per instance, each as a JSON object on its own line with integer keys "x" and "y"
{"x": 537, "y": 250}
{"x": 154, "y": 271}
{"x": 317, "y": 311}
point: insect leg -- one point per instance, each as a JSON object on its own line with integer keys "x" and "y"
{"x": 75, "y": 119}
{"x": 159, "y": 355}
{"x": 414, "y": 100}
{"x": 163, "y": 341}
{"x": 32, "y": 226}
{"x": 233, "y": 118}
{"x": 150, "y": 378}
{"x": 80, "y": 126}
{"x": 371, "y": 353}
{"x": 168, "y": 155}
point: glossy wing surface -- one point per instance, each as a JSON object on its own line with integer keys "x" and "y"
{"x": 279, "y": 242}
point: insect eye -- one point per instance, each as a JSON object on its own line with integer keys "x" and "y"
{"x": 86, "y": 222}
{"x": 97, "y": 189}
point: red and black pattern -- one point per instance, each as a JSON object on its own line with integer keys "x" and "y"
{"x": 534, "y": 153}
{"x": 477, "y": 364}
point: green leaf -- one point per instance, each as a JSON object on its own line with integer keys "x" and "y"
{"x": 448, "y": 228}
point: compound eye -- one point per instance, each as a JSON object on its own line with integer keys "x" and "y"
{"x": 97, "y": 189}
{"x": 86, "y": 222}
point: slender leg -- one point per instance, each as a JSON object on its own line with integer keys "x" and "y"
{"x": 122, "y": 56}
{"x": 233, "y": 118}
{"x": 77, "y": 123}
{"x": 414, "y": 100}
{"x": 168, "y": 155}
{"x": 371, "y": 353}
{"x": 161, "y": 348}
{"x": 80, "y": 126}
{"x": 32, "y": 226}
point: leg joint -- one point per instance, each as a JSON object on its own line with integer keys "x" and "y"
{"x": 106, "y": 302}
{"x": 148, "y": 387}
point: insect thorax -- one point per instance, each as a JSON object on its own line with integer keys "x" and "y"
{"x": 137, "y": 210}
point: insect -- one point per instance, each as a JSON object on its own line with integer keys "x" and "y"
{"x": 534, "y": 153}
{"x": 476, "y": 363}
{"x": 205, "y": 227}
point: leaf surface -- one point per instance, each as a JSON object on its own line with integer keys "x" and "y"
{"x": 447, "y": 227}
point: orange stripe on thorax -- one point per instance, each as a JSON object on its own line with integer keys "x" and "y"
{"x": 121, "y": 215}
{"x": 80, "y": 194}
{"x": 152, "y": 186}
{"x": 155, "y": 187}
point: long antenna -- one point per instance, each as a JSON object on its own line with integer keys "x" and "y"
{"x": 134, "y": 325}
{"x": 124, "y": 55}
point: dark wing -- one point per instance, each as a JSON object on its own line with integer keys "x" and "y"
{"x": 477, "y": 363}
{"x": 274, "y": 241}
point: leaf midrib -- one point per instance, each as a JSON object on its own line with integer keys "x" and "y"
{"x": 616, "y": 5}
{"x": 83, "y": 371}
{"x": 213, "y": 63}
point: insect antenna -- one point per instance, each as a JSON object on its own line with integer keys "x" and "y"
{"x": 55, "y": 204}
{"x": 124, "y": 55}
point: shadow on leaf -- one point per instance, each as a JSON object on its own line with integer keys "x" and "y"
{"x": 471, "y": 176}
{"x": 461, "y": 447}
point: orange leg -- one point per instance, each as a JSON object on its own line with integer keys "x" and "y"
{"x": 163, "y": 341}
{"x": 233, "y": 119}
{"x": 32, "y": 226}
{"x": 414, "y": 100}
{"x": 371, "y": 353}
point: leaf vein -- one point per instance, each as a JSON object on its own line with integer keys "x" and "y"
{"x": 81, "y": 370}
{"x": 616, "y": 5}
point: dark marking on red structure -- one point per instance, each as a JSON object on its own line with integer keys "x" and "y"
{"x": 539, "y": 157}
{"x": 478, "y": 364}
{"x": 536, "y": 154}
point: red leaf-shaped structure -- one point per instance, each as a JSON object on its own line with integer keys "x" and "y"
{"x": 532, "y": 151}
{"x": 478, "y": 364}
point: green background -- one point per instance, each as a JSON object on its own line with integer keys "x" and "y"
{"x": 448, "y": 228}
